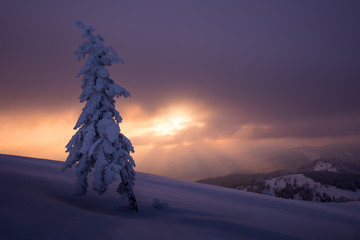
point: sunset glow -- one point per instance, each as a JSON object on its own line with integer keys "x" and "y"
{"x": 216, "y": 87}
{"x": 45, "y": 135}
{"x": 168, "y": 121}
{"x": 42, "y": 135}
{"x": 165, "y": 142}
{"x": 170, "y": 126}
{"x": 173, "y": 122}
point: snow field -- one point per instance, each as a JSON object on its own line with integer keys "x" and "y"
{"x": 37, "y": 202}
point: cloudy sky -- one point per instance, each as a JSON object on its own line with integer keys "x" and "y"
{"x": 217, "y": 85}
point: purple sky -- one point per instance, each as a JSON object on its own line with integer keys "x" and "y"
{"x": 288, "y": 69}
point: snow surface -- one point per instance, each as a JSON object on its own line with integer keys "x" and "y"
{"x": 324, "y": 166}
{"x": 37, "y": 202}
{"x": 300, "y": 180}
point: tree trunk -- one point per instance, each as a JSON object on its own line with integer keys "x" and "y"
{"x": 130, "y": 194}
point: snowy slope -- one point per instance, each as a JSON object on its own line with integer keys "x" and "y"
{"x": 299, "y": 180}
{"x": 324, "y": 166}
{"x": 330, "y": 165}
{"x": 37, "y": 203}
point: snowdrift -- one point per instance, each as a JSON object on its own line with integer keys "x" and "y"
{"x": 37, "y": 202}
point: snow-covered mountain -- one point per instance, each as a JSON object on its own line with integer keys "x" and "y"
{"x": 324, "y": 166}
{"x": 37, "y": 202}
{"x": 301, "y": 187}
{"x": 323, "y": 180}
{"x": 330, "y": 165}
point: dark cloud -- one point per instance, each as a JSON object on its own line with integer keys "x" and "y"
{"x": 346, "y": 126}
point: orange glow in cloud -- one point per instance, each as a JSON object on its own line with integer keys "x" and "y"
{"x": 166, "y": 122}
{"x": 177, "y": 140}
{"x": 45, "y": 134}
{"x": 36, "y": 134}
{"x": 171, "y": 124}
{"x": 158, "y": 138}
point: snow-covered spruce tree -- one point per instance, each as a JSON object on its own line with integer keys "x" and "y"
{"x": 98, "y": 142}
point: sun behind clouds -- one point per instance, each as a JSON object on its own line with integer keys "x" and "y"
{"x": 169, "y": 131}
{"x": 168, "y": 121}
{"x": 174, "y": 121}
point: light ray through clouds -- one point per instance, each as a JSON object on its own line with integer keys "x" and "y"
{"x": 177, "y": 140}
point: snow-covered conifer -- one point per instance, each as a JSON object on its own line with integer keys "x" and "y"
{"x": 98, "y": 144}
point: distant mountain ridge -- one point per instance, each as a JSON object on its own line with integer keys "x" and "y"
{"x": 298, "y": 157}
{"x": 324, "y": 180}
{"x": 330, "y": 165}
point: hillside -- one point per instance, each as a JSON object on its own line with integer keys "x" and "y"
{"x": 37, "y": 203}
{"x": 322, "y": 180}
{"x": 237, "y": 179}
{"x": 302, "y": 187}
{"x": 330, "y": 165}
